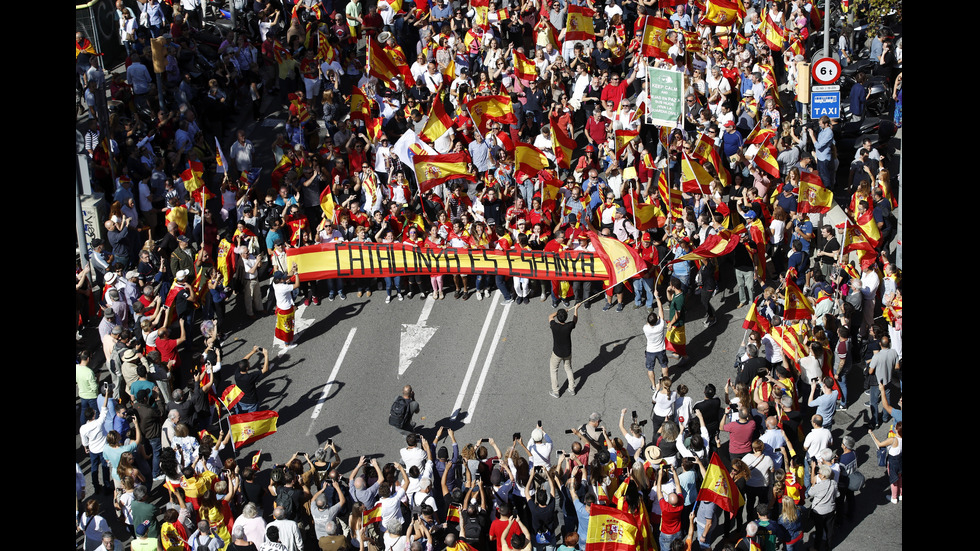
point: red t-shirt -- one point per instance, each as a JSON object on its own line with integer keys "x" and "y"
{"x": 614, "y": 93}
{"x": 497, "y": 528}
{"x": 168, "y": 351}
{"x": 670, "y": 516}
{"x": 596, "y": 129}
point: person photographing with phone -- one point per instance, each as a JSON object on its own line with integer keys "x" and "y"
{"x": 247, "y": 380}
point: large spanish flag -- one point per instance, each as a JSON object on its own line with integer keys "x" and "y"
{"x": 610, "y": 529}
{"x": 285, "y": 165}
{"x": 854, "y": 240}
{"x": 795, "y": 304}
{"x": 562, "y": 143}
{"x": 719, "y": 488}
{"x": 439, "y": 121}
{"x": 529, "y": 159}
{"x": 193, "y": 177}
{"x": 623, "y": 138}
{"x": 694, "y": 178}
{"x": 433, "y": 170}
{"x": 715, "y": 245}
{"x": 524, "y": 68}
{"x": 491, "y": 108}
{"x": 655, "y": 43}
{"x": 723, "y": 13}
{"x": 771, "y": 32}
{"x": 482, "y": 10}
{"x": 622, "y": 261}
{"x": 579, "y": 24}
{"x": 811, "y": 177}
{"x": 814, "y": 199}
{"x": 249, "y": 427}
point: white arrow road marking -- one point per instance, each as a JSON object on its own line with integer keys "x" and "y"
{"x": 415, "y": 337}
{"x": 486, "y": 364}
{"x": 476, "y": 356}
{"x": 331, "y": 379}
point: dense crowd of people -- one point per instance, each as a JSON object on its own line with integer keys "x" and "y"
{"x": 200, "y": 220}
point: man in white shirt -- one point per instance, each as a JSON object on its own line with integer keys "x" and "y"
{"x": 539, "y": 448}
{"x": 818, "y": 439}
{"x": 432, "y": 78}
{"x": 289, "y": 535}
{"x": 413, "y": 455}
{"x": 390, "y": 497}
{"x": 241, "y": 152}
{"x": 93, "y": 440}
{"x": 869, "y": 293}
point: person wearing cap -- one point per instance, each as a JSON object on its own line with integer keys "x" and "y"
{"x": 143, "y": 541}
{"x": 283, "y": 286}
{"x": 540, "y": 445}
{"x": 182, "y": 258}
{"x": 731, "y": 140}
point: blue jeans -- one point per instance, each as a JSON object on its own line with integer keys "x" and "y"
{"x": 502, "y": 285}
{"x": 878, "y": 415}
{"x": 393, "y": 283}
{"x": 247, "y": 408}
{"x": 826, "y": 170}
{"x": 156, "y": 445}
{"x": 665, "y": 539}
{"x": 639, "y": 287}
{"x": 86, "y": 404}
{"x": 95, "y": 460}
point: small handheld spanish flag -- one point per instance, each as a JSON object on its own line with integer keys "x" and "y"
{"x": 372, "y": 515}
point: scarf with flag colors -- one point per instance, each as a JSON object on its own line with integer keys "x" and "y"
{"x": 249, "y": 427}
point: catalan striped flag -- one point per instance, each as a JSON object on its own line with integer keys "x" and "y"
{"x": 324, "y": 50}
{"x": 433, "y": 170}
{"x": 249, "y": 427}
{"x": 672, "y": 198}
{"x": 381, "y": 65}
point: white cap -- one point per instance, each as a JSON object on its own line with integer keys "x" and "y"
{"x": 537, "y": 435}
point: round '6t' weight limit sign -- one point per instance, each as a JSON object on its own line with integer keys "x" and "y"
{"x": 826, "y": 70}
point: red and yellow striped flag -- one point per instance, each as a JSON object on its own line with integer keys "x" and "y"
{"x": 579, "y": 24}
{"x": 715, "y": 245}
{"x": 562, "y": 143}
{"x": 529, "y": 159}
{"x": 755, "y": 322}
{"x": 452, "y": 514}
{"x": 249, "y": 427}
{"x": 231, "y": 396}
{"x": 327, "y": 204}
{"x": 723, "y": 13}
{"x": 381, "y": 65}
{"x": 482, "y": 13}
{"x": 671, "y": 197}
{"x": 193, "y": 177}
{"x": 655, "y": 42}
{"x": 372, "y": 515}
{"x": 524, "y": 69}
{"x": 610, "y": 529}
{"x": 324, "y": 50}
{"x": 491, "y": 108}
{"x": 866, "y": 222}
{"x": 765, "y": 161}
{"x": 360, "y": 105}
{"x": 439, "y": 122}
{"x": 795, "y": 304}
{"x": 694, "y": 178}
{"x": 623, "y": 138}
{"x": 282, "y": 169}
{"x": 433, "y": 170}
{"x": 702, "y": 148}
{"x": 719, "y": 488}
{"x": 648, "y": 215}
{"x": 814, "y": 199}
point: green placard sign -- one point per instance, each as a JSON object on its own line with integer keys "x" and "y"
{"x": 666, "y": 96}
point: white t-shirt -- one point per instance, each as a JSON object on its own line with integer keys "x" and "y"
{"x": 413, "y": 457}
{"x": 655, "y": 336}
{"x": 540, "y": 452}
{"x": 284, "y": 295}
{"x": 817, "y": 440}
{"x": 391, "y": 510}
{"x": 663, "y": 403}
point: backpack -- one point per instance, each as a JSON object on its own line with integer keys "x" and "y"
{"x": 400, "y": 413}
{"x": 284, "y": 500}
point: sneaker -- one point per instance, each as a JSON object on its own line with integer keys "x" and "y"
{"x": 507, "y": 301}
{"x": 479, "y": 295}
{"x": 421, "y": 296}
{"x": 567, "y": 304}
{"x": 316, "y": 301}
{"x": 841, "y": 407}
{"x": 410, "y": 295}
{"x": 900, "y": 498}
{"x": 588, "y": 305}
{"x": 554, "y": 394}
{"x": 711, "y": 322}
{"x": 343, "y": 296}
{"x": 401, "y": 296}
{"x": 571, "y": 391}
{"x": 306, "y": 302}
{"x": 894, "y": 501}
{"x": 637, "y": 306}
{"x": 620, "y": 307}
{"x": 388, "y": 299}
{"x": 331, "y": 297}
{"x": 608, "y": 306}
{"x": 554, "y": 304}
{"x": 289, "y": 347}
{"x": 544, "y": 297}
